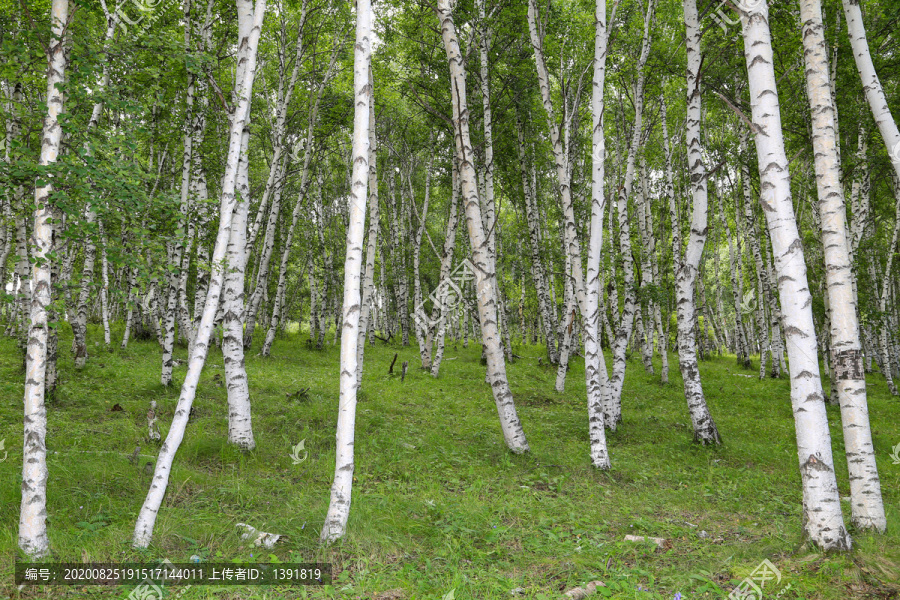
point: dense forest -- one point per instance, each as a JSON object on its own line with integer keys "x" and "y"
{"x": 592, "y": 189}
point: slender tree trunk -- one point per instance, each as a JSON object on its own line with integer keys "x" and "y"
{"x": 647, "y": 275}
{"x": 778, "y": 364}
{"x": 262, "y": 273}
{"x": 762, "y": 274}
{"x": 688, "y": 267}
{"x": 546, "y": 310}
{"x": 104, "y": 288}
{"x": 595, "y": 373}
{"x": 147, "y": 518}
{"x": 482, "y": 263}
{"x": 440, "y": 312}
{"x": 883, "y": 315}
{"x": 742, "y": 344}
{"x": 368, "y": 288}
{"x": 176, "y": 251}
{"x": 79, "y": 324}
{"x": 339, "y": 508}
{"x": 287, "y": 244}
{"x": 33, "y": 539}
{"x": 421, "y": 331}
{"x": 871, "y": 84}
{"x": 613, "y": 411}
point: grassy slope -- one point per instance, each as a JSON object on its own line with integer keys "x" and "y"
{"x": 457, "y": 511}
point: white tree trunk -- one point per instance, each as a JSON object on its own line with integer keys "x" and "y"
{"x": 594, "y": 363}
{"x": 484, "y": 274}
{"x": 104, "y": 288}
{"x": 372, "y": 242}
{"x": 866, "y": 505}
{"x": 79, "y": 323}
{"x": 648, "y": 276}
{"x": 546, "y": 311}
{"x": 595, "y": 366}
{"x": 274, "y": 184}
{"x": 287, "y": 242}
{"x": 613, "y": 409}
{"x": 421, "y": 330}
{"x": 762, "y": 274}
{"x": 33, "y": 539}
{"x": 339, "y": 507}
{"x": 439, "y": 312}
{"x": 559, "y": 143}
{"x": 822, "y": 517}
{"x": 872, "y": 87}
{"x": 262, "y": 272}
{"x": 240, "y": 428}
{"x": 143, "y": 531}
{"x": 705, "y": 430}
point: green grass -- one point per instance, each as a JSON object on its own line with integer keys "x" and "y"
{"x": 439, "y": 504}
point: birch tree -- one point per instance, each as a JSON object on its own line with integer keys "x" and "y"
{"x": 594, "y": 362}
{"x": 823, "y": 520}
{"x": 368, "y": 288}
{"x": 481, "y": 259}
{"x": 872, "y": 87}
{"x": 613, "y": 409}
{"x": 33, "y": 539}
{"x": 687, "y": 268}
{"x": 339, "y": 507}
{"x": 252, "y": 16}
{"x": 867, "y": 508}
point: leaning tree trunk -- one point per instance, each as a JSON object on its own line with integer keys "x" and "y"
{"x": 705, "y": 430}
{"x": 481, "y": 260}
{"x": 884, "y": 324}
{"x": 339, "y": 508}
{"x": 823, "y": 521}
{"x": 33, "y": 538}
{"x": 274, "y": 184}
{"x": 874, "y": 91}
{"x": 253, "y": 18}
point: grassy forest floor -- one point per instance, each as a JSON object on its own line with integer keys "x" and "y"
{"x": 439, "y": 504}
